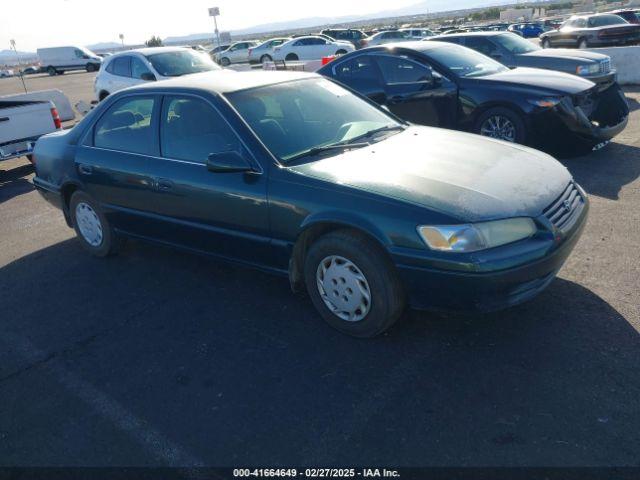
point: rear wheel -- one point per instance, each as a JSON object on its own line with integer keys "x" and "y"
{"x": 583, "y": 43}
{"x": 225, "y": 62}
{"x": 291, "y": 57}
{"x": 103, "y": 95}
{"x": 546, "y": 43}
{"x": 502, "y": 124}
{"x": 90, "y": 67}
{"x": 265, "y": 59}
{"x": 52, "y": 71}
{"x": 91, "y": 226}
{"x": 353, "y": 284}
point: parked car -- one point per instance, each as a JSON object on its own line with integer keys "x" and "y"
{"x": 263, "y": 52}
{"x": 293, "y": 174}
{"x": 218, "y": 49}
{"x": 310, "y": 48}
{"x": 237, "y": 53}
{"x": 498, "y": 27}
{"x": 6, "y": 73}
{"x": 418, "y": 33}
{"x": 387, "y": 36}
{"x": 597, "y": 30}
{"x": 514, "y": 51}
{"x": 133, "y": 67}
{"x": 526, "y": 30}
{"x": 57, "y": 60}
{"x": 356, "y": 37}
{"x": 630, "y": 16}
{"x": 446, "y": 85}
{"x": 30, "y": 70}
{"x": 22, "y": 122}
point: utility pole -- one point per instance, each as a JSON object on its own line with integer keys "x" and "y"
{"x": 122, "y": 40}
{"x": 214, "y": 12}
{"x": 13, "y": 46}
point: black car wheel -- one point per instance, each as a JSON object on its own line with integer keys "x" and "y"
{"x": 103, "y": 95}
{"x": 225, "y": 62}
{"x": 292, "y": 57}
{"x": 583, "y": 43}
{"x": 353, "y": 284}
{"x": 341, "y": 52}
{"x": 546, "y": 43}
{"x": 52, "y": 71}
{"x": 94, "y": 231}
{"x": 90, "y": 67}
{"x": 502, "y": 124}
{"x": 265, "y": 59}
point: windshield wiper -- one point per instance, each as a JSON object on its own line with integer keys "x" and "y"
{"x": 326, "y": 148}
{"x": 375, "y": 131}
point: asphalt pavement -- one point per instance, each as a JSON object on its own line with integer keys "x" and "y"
{"x": 158, "y": 357}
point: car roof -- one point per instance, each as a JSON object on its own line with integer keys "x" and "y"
{"x": 227, "y": 81}
{"x": 418, "y": 46}
{"x": 473, "y": 34}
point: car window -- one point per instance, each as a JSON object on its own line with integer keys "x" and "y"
{"x": 397, "y": 70}
{"x": 79, "y": 53}
{"x": 361, "y": 68}
{"x": 580, "y": 23}
{"x": 122, "y": 66}
{"x": 318, "y": 41}
{"x": 514, "y": 43}
{"x": 480, "y": 44}
{"x": 603, "y": 20}
{"x": 138, "y": 68}
{"x": 181, "y": 62}
{"x": 191, "y": 130}
{"x": 127, "y": 126}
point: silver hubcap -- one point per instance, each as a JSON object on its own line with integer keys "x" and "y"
{"x": 343, "y": 288}
{"x": 89, "y": 224}
{"x": 498, "y": 127}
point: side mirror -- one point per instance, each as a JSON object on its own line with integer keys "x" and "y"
{"x": 228, "y": 162}
{"x": 148, "y": 77}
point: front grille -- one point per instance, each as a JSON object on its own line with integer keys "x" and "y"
{"x": 605, "y": 66}
{"x": 563, "y": 212}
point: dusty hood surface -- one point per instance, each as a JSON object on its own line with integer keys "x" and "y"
{"x": 467, "y": 176}
{"x": 545, "y": 79}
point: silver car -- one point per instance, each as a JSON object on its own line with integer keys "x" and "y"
{"x": 264, "y": 52}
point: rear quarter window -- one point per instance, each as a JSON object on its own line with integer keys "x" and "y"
{"x": 127, "y": 126}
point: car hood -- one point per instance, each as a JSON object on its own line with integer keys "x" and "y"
{"x": 466, "y": 176}
{"x": 545, "y": 79}
{"x": 566, "y": 53}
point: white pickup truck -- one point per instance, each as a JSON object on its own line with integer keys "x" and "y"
{"x": 22, "y": 123}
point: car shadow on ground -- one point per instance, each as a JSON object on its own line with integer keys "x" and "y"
{"x": 606, "y": 171}
{"x": 227, "y": 365}
{"x": 13, "y": 182}
{"x": 633, "y": 104}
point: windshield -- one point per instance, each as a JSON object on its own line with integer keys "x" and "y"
{"x": 602, "y": 20}
{"x": 181, "y": 62}
{"x": 297, "y": 117}
{"x": 515, "y": 43}
{"x": 465, "y": 62}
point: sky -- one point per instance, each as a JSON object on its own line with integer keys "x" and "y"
{"x": 42, "y": 23}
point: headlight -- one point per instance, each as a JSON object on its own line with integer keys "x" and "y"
{"x": 587, "y": 69}
{"x": 477, "y": 236}
{"x": 545, "y": 102}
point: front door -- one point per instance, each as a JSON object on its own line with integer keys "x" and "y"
{"x": 418, "y": 93}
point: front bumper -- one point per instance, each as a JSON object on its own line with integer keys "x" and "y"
{"x": 431, "y": 288}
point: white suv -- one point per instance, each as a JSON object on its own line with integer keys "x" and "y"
{"x": 127, "y": 69}
{"x": 310, "y": 48}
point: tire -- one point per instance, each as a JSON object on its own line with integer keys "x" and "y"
{"x": 103, "y": 95}
{"x": 90, "y": 67}
{"x": 374, "y": 273}
{"x": 30, "y": 158}
{"x": 341, "y": 52}
{"x": 51, "y": 71}
{"x": 225, "y": 62}
{"x": 583, "y": 43}
{"x": 546, "y": 43}
{"x": 99, "y": 245}
{"x": 266, "y": 58}
{"x": 496, "y": 116}
{"x": 291, "y": 57}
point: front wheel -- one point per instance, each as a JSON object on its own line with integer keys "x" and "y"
{"x": 583, "y": 43}
{"x": 225, "y": 62}
{"x": 90, "y": 67}
{"x": 546, "y": 43}
{"x": 502, "y": 124}
{"x": 341, "y": 52}
{"x": 92, "y": 227}
{"x": 353, "y": 284}
{"x": 266, "y": 59}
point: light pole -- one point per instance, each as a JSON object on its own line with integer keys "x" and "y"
{"x": 122, "y": 40}
{"x": 13, "y": 46}
{"x": 214, "y": 12}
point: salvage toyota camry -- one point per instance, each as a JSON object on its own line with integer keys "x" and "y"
{"x": 291, "y": 173}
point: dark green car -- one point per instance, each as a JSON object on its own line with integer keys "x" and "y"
{"x": 293, "y": 174}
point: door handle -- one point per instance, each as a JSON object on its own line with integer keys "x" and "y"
{"x": 85, "y": 169}
{"x": 164, "y": 185}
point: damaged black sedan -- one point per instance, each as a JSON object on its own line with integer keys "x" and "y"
{"x": 446, "y": 85}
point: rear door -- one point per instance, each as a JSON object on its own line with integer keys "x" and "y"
{"x": 416, "y": 92}
{"x": 115, "y": 161}
{"x": 362, "y": 74}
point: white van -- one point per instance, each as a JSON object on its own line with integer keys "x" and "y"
{"x": 58, "y": 60}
